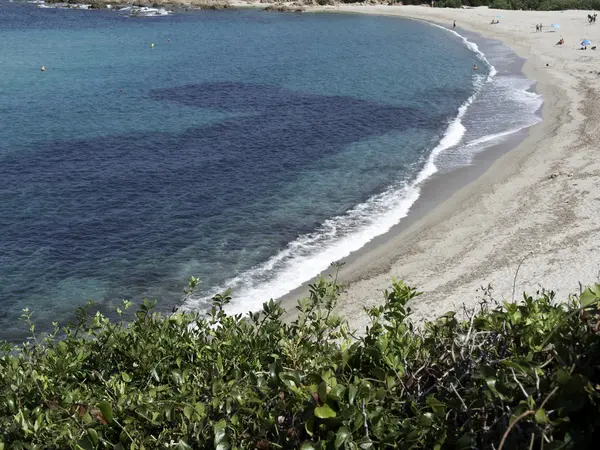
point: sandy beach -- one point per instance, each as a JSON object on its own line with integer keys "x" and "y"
{"x": 535, "y": 207}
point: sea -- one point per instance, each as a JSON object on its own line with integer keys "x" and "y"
{"x": 246, "y": 148}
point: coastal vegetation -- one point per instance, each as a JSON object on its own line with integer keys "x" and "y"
{"x": 298, "y": 5}
{"x": 537, "y": 5}
{"x": 508, "y": 375}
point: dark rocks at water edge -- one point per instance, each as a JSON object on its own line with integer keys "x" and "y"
{"x": 294, "y": 7}
{"x": 140, "y": 7}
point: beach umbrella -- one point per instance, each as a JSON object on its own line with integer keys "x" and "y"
{"x": 586, "y": 42}
{"x": 500, "y": 17}
{"x": 555, "y": 25}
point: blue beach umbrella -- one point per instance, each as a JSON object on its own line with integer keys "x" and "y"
{"x": 555, "y": 25}
{"x": 586, "y": 42}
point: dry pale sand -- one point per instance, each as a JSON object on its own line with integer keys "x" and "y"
{"x": 540, "y": 201}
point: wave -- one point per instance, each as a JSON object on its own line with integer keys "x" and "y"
{"x": 336, "y": 238}
{"x": 471, "y": 46}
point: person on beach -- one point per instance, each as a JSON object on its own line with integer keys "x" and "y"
{"x": 561, "y": 42}
{"x": 454, "y": 25}
{"x": 541, "y": 27}
{"x": 537, "y": 28}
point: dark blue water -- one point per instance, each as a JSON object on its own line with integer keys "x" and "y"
{"x": 246, "y": 148}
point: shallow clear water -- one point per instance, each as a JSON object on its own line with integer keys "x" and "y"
{"x": 246, "y": 148}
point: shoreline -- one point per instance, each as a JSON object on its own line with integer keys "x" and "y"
{"x": 436, "y": 188}
{"x": 523, "y": 207}
{"x": 413, "y": 198}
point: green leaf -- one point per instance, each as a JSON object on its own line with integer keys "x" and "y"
{"x": 425, "y": 420}
{"x": 352, "y": 391}
{"x": 87, "y": 418}
{"x": 220, "y": 430}
{"x": 324, "y": 412}
{"x": 390, "y": 381}
{"x": 588, "y": 297}
{"x": 93, "y": 436}
{"x": 562, "y": 376}
{"x": 365, "y": 443}
{"x": 177, "y": 377}
{"x": 290, "y": 379}
{"x": 188, "y": 411}
{"x": 438, "y": 407}
{"x": 541, "y": 417}
{"x": 342, "y": 436}
{"x": 106, "y": 410}
{"x": 308, "y": 446}
{"x": 464, "y": 442}
{"x": 322, "y": 391}
{"x": 309, "y": 426}
{"x": 126, "y": 377}
{"x": 11, "y": 403}
{"x": 182, "y": 446}
{"x": 84, "y": 444}
{"x": 200, "y": 409}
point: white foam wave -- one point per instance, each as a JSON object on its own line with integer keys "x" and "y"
{"x": 474, "y": 48}
{"x": 336, "y": 238}
{"x": 453, "y": 135}
{"x": 456, "y": 130}
{"x": 312, "y": 253}
{"x": 493, "y": 137}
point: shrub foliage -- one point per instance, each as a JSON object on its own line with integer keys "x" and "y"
{"x": 507, "y": 376}
{"x": 540, "y": 5}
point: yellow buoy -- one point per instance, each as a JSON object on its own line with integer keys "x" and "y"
{"x": 152, "y": 45}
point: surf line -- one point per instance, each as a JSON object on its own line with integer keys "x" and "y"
{"x": 455, "y": 130}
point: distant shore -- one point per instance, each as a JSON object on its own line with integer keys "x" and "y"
{"x": 271, "y": 5}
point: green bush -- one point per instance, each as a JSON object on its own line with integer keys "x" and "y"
{"x": 509, "y": 376}
{"x": 500, "y": 4}
{"x": 543, "y": 5}
{"x": 450, "y": 4}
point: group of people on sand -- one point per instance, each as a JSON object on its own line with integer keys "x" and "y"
{"x": 538, "y": 27}
{"x": 592, "y": 18}
{"x": 494, "y": 22}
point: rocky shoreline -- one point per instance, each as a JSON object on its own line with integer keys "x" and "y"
{"x": 154, "y": 8}
{"x": 138, "y": 7}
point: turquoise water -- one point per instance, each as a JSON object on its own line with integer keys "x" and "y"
{"x": 246, "y": 148}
